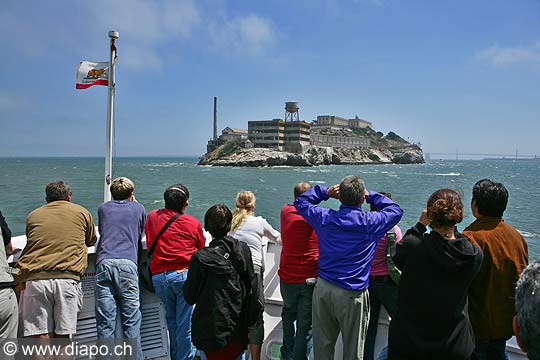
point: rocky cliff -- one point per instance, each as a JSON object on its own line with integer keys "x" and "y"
{"x": 231, "y": 154}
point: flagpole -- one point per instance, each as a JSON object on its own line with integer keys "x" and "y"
{"x": 113, "y": 35}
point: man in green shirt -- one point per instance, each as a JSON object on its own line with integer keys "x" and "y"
{"x": 52, "y": 264}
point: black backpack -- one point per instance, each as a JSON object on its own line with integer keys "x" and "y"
{"x": 216, "y": 288}
{"x": 253, "y": 305}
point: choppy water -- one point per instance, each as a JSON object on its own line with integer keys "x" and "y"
{"x": 22, "y": 183}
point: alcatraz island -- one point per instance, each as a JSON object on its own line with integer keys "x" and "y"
{"x": 327, "y": 140}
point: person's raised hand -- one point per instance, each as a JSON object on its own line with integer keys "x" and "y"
{"x": 333, "y": 191}
{"x": 366, "y": 194}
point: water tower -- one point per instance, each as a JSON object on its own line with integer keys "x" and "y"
{"x": 291, "y": 111}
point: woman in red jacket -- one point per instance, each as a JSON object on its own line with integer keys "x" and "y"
{"x": 169, "y": 265}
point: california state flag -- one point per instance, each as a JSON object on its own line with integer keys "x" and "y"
{"x": 92, "y": 73}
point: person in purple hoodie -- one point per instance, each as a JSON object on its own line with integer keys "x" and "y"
{"x": 121, "y": 226}
{"x": 347, "y": 241}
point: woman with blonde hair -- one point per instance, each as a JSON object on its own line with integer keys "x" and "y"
{"x": 432, "y": 320}
{"x": 255, "y": 231}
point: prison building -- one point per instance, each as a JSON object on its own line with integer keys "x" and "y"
{"x": 339, "y": 141}
{"x": 331, "y": 122}
{"x": 297, "y": 136}
{"x": 233, "y": 134}
{"x": 267, "y": 133}
{"x": 358, "y": 123}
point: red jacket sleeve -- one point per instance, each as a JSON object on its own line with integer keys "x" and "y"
{"x": 201, "y": 239}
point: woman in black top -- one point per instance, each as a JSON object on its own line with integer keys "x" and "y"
{"x": 219, "y": 280}
{"x": 432, "y": 320}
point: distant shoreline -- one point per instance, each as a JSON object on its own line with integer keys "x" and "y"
{"x": 196, "y": 157}
{"x": 511, "y": 159}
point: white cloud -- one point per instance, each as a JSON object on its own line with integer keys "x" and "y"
{"x": 505, "y": 56}
{"x": 145, "y": 26}
{"x": 147, "y": 21}
{"x": 249, "y": 34}
{"x": 151, "y": 32}
{"x": 255, "y": 31}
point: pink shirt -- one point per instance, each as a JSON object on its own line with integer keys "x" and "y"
{"x": 379, "y": 266}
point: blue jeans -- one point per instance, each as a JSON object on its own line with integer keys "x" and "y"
{"x": 169, "y": 287}
{"x": 117, "y": 290}
{"x": 297, "y": 303}
{"x": 490, "y": 350}
{"x": 383, "y": 355}
{"x": 382, "y": 291}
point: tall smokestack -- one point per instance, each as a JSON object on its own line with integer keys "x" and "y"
{"x": 215, "y": 119}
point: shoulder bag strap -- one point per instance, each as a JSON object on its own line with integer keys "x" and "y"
{"x": 153, "y": 247}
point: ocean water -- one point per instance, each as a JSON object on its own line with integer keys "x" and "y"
{"x": 23, "y": 180}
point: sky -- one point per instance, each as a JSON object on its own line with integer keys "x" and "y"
{"x": 453, "y": 75}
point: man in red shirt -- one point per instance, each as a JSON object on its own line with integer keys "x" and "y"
{"x": 298, "y": 272}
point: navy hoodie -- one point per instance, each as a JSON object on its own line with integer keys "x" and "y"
{"x": 432, "y": 320}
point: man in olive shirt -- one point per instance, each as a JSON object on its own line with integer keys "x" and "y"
{"x": 52, "y": 263}
{"x": 491, "y": 294}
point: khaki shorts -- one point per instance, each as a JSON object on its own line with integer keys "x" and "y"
{"x": 9, "y": 320}
{"x": 51, "y": 305}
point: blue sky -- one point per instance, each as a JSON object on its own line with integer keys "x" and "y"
{"x": 452, "y": 75}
